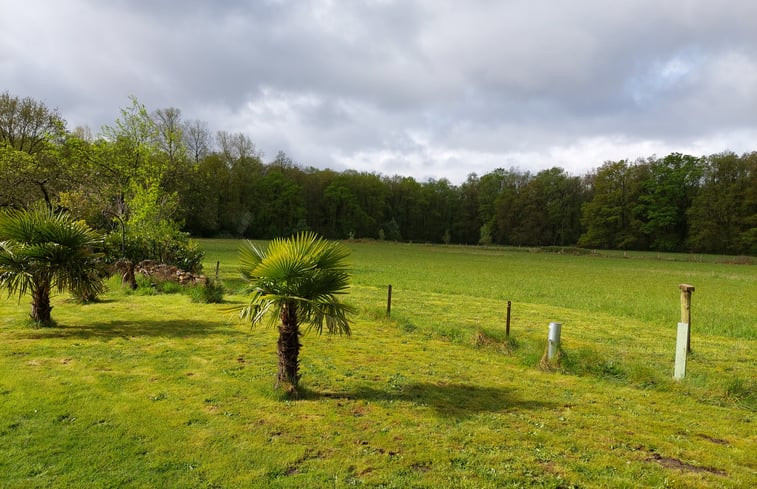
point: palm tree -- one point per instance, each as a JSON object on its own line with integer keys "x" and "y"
{"x": 42, "y": 250}
{"x": 297, "y": 280}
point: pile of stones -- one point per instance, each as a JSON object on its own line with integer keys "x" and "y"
{"x": 158, "y": 272}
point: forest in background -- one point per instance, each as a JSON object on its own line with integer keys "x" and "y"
{"x": 156, "y": 176}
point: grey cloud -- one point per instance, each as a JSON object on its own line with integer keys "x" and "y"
{"x": 431, "y": 87}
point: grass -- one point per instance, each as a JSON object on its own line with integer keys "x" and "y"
{"x": 154, "y": 390}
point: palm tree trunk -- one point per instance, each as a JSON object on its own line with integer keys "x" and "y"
{"x": 289, "y": 349}
{"x": 41, "y": 308}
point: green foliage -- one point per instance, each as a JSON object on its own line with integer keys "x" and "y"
{"x": 609, "y": 219}
{"x": 668, "y": 193}
{"x": 145, "y": 285}
{"x": 210, "y": 293}
{"x": 486, "y": 235}
{"x": 392, "y": 232}
{"x": 149, "y": 172}
{"x": 548, "y": 210}
{"x": 723, "y": 215}
{"x": 172, "y": 248}
{"x": 32, "y": 140}
{"x": 305, "y": 270}
{"x": 42, "y": 250}
{"x": 169, "y": 287}
{"x": 297, "y": 281}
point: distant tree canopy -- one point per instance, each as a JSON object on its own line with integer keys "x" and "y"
{"x": 154, "y": 173}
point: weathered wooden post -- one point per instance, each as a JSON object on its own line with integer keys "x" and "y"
{"x": 686, "y": 291}
{"x": 389, "y": 301}
{"x": 218, "y": 265}
{"x": 507, "y": 323}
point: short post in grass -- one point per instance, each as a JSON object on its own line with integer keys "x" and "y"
{"x": 553, "y": 347}
{"x": 389, "y": 301}
{"x": 507, "y": 323}
{"x": 681, "y": 337}
{"x": 686, "y": 291}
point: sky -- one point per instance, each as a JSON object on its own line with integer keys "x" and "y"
{"x": 423, "y": 88}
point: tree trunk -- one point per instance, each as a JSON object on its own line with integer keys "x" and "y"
{"x": 289, "y": 349}
{"x": 41, "y": 308}
{"x": 126, "y": 269}
{"x": 129, "y": 277}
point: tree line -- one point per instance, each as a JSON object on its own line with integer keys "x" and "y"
{"x": 153, "y": 174}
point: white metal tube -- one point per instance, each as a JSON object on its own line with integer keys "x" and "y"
{"x": 554, "y": 340}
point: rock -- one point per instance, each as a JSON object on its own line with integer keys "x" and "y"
{"x": 168, "y": 273}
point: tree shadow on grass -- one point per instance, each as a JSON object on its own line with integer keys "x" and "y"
{"x": 105, "y": 330}
{"x": 448, "y": 400}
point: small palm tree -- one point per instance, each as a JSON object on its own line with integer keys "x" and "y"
{"x": 297, "y": 280}
{"x": 42, "y": 250}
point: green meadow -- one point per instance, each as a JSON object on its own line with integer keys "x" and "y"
{"x": 153, "y": 390}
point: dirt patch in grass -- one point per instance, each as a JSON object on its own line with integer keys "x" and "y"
{"x": 674, "y": 463}
{"x": 421, "y": 466}
{"x": 717, "y": 441}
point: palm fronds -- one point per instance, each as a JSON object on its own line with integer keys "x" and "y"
{"x": 41, "y": 246}
{"x": 305, "y": 270}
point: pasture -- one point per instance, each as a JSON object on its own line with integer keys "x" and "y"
{"x": 141, "y": 390}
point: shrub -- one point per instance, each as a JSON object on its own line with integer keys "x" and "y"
{"x": 172, "y": 249}
{"x": 169, "y": 287}
{"x": 210, "y": 293}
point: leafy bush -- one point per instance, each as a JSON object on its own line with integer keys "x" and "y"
{"x": 171, "y": 248}
{"x": 145, "y": 285}
{"x": 210, "y": 293}
{"x": 169, "y": 287}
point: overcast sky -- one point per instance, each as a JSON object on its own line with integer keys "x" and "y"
{"x": 427, "y": 88}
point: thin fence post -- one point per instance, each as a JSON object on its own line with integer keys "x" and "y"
{"x": 389, "y": 301}
{"x": 686, "y": 291}
{"x": 218, "y": 265}
{"x": 507, "y": 323}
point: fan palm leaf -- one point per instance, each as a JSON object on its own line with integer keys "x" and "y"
{"x": 298, "y": 281}
{"x": 40, "y": 250}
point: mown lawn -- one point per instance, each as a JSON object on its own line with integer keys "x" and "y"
{"x": 156, "y": 391}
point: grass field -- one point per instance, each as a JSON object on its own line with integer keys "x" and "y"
{"x": 157, "y": 391}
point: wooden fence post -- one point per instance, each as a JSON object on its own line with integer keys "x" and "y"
{"x": 686, "y": 291}
{"x": 389, "y": 301}
{"x": 507, "y": 324}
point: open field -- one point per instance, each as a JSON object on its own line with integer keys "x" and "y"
{"x": 155, "y": 391}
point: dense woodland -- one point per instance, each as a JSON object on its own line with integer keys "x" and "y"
{"x": 153, "y": 174}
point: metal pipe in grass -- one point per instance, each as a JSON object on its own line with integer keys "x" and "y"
{"x": 554, "y": 340}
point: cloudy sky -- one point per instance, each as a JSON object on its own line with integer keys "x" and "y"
{"x": 427, "y": 88}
